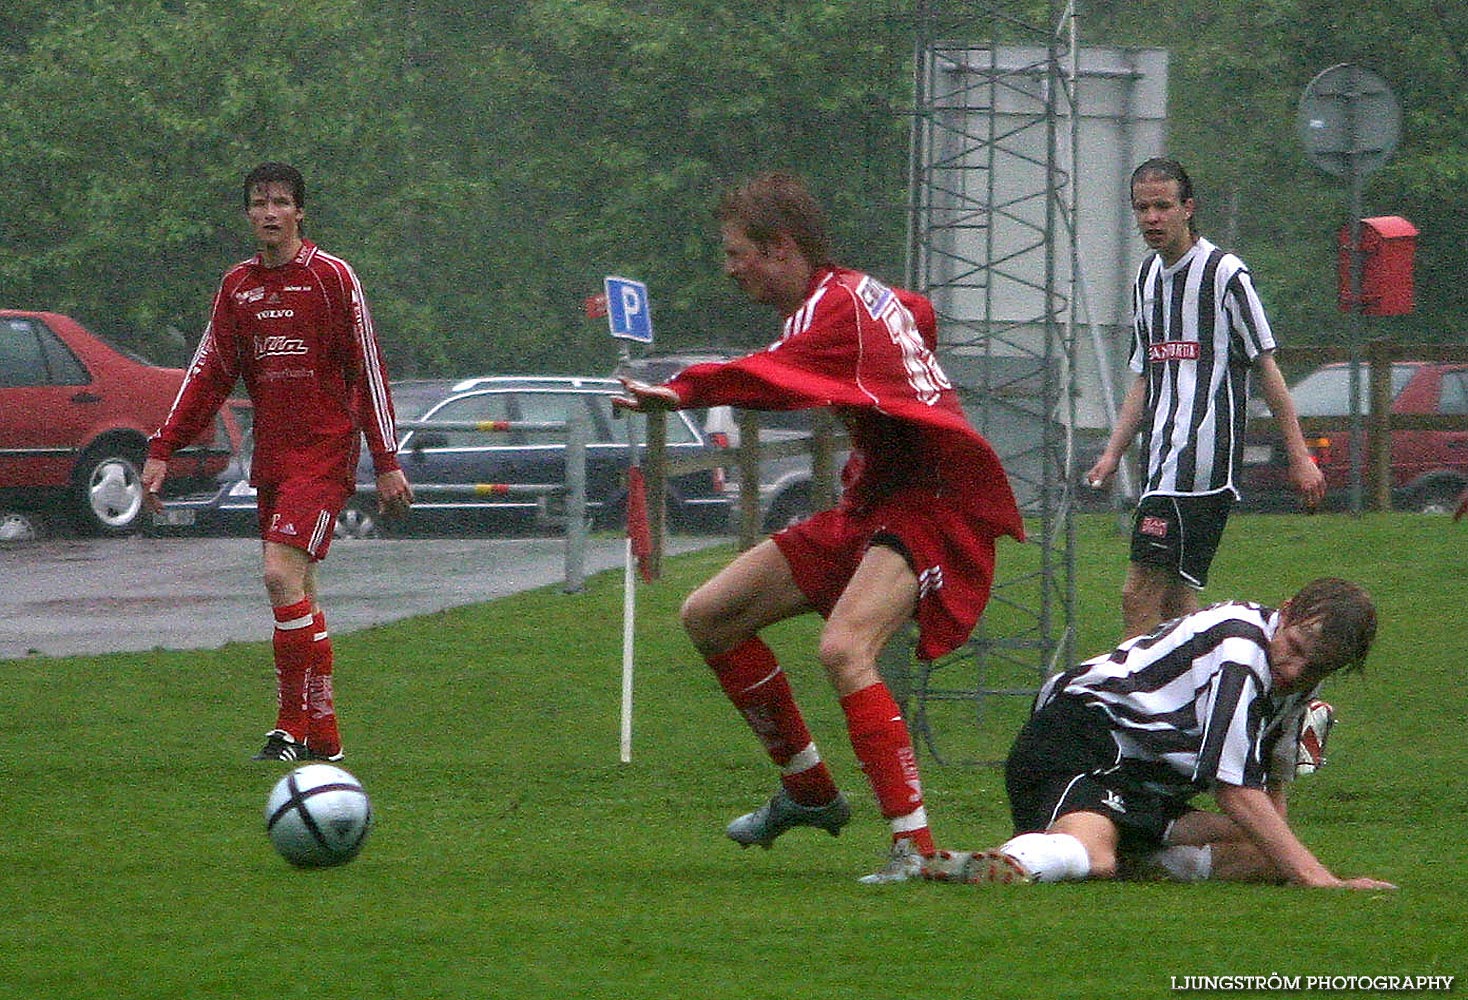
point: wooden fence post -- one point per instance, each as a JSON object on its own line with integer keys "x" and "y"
{"x": 1379, "y": 355}
{"x": 750, "y": 528}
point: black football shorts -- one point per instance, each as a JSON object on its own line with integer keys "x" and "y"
{"x": 1065, "y": 760}
{"x": 1180, "y": 533}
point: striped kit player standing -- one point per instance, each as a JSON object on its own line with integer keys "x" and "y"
{"x": 292, "y": 323}
{"x": 1199, "y": 333}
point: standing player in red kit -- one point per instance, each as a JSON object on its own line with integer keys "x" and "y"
{"x": 924, "y": 498}
{"x": 293, "y": 323}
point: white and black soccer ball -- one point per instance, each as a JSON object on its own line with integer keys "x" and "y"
{"x": 318, "y": 816}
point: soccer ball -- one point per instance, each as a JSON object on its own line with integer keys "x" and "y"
{"x": 318, "y": 816}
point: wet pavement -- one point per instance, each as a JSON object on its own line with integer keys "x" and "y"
{"x": 69, "y": 596}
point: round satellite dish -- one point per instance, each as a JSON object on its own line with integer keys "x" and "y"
{"x": 1349, "y": 116}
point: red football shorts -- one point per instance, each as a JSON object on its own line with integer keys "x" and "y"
{"x": 300, "y": 513}
{"x": 951, "y": 553}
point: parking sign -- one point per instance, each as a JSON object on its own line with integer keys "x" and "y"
{"x": 629, "y": 312}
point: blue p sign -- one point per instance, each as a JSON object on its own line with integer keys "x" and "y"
{"x": 628, "y": 311}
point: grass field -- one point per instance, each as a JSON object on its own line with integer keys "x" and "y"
{"x": 515, "y": 857}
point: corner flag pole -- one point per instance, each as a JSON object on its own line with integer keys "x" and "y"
{"x": 629, "y": 586}
{"x": 639, "y": 554}
{"x": 629, "y": 317}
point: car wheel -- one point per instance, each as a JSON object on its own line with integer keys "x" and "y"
{"x": 17, "y": 527}
{"x": 789, "y": 507}
{"x": 1439, "y": 496}
{"x": 109, "y": 489}
{"x": 359, "y": 520}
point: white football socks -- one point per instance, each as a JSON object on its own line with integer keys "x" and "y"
{"x": 1183, "y": 863}
{"x": 1049, "y": 857}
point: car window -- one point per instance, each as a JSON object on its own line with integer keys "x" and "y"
{"x": 411, "y": 400}
{"x": 553, "y": 406}
{"x": 786, "y": 420}
{"x": 1454, "y": 399}
{"x": 476, "y": 407}
{"x": 607, "y": 426}
{"x": 30, "y": 354}
{"x": 21, "y": 360}
{"x": 679, "y": 429}
{"x": 1326, "y": 392}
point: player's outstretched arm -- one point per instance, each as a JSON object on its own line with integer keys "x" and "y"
{"x": 1260, "y": 819}
{"x": 642, "y": 398}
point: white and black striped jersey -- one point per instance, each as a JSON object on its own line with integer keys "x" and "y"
{"x": 1190, "y": 703}
{"x": 1196, "y": 328}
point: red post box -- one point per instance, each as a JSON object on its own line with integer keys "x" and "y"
{"x": 1387, "y": 245}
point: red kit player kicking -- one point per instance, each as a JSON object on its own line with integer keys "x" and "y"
{"x": 913, "y": 537}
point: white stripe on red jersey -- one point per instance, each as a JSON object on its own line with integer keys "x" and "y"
{"x": 301, "y": 337}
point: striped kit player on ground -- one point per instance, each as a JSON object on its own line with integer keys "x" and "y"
{"x": 1221, "y": 701}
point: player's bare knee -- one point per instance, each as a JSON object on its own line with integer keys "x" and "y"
{"x": 1137, "y": 595}
{"x": 1138, "y": 614}
{"x": 848, "y": 660}
{"x": 1103, "y": 864}
{"x": 279, "y": 586}
{"x": 700, "y": 618}
{"x": 1180, "y": 600}
{"x": 691, "y": 613}
{"x": 1144, "y": 598}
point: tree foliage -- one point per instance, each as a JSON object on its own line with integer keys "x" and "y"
{"x": 483, "y": 169}
{"x": 1238, "y": 72}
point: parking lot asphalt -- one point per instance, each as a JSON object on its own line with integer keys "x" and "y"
{"x": 73, "y": 596}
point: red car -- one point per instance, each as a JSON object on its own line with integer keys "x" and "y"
{"x": 1429, "y": 468}
{"x": 75, "y": 415}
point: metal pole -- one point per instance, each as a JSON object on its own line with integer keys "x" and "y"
{"x": 629, "y": 604}
{"x": 578, "y": 432}
{"x": 1353, "y": 333}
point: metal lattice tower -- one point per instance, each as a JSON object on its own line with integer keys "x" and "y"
{"x": 992, "y": 204}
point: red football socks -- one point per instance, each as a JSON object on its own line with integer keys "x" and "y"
{"x": 880, "y": 739}
{"x": 321, "y": 729}
{"x": 759, "y": 689}
{"x": 293, "y": 641}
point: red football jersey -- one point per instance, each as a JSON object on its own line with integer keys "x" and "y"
{"x": 301, "y": 337}
{"x": 867, "y": 350}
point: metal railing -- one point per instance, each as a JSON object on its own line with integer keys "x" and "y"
{"x": 822, "y": 444}
{"x": 578, "y": 435}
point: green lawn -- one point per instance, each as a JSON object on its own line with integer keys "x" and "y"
{"x": 515, "y": 857}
